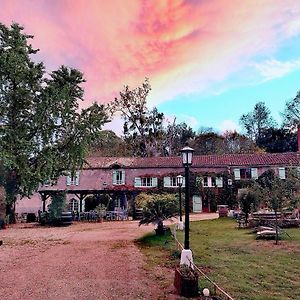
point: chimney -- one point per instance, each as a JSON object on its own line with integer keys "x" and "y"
{"x": 298, "y": 136}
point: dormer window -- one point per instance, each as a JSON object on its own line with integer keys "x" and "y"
{"x": 73, "y": 179}
{"x": 118, "y": 177}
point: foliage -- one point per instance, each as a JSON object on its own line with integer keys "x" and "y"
{"x": 276, "y": 140}
{"x": 276, "y": 192}
{"x": 42, "y": 131}
{"x": 176, "y": 137}
{"x": 187, "y": 272}
{"x": 256, "y": 121}
{"x": 210, "y": 142}
{"x": 56, "y": 207}
{"x": 108, "y": 144}
{"x": 248, "y": 203}
{"x": 101, "y": 210}
{"x": 157, "y": 208}
{"x": 143, "y": 127}
{"x": 291, "y": 112}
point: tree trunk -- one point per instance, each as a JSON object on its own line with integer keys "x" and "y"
{"x": 276, "y": 228}
{"x": 160, "y": 228}
{"x": 11, "y": 189}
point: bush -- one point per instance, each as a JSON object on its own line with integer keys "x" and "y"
{"x": 57, "y": 206}
{"x": 157, "y": 208}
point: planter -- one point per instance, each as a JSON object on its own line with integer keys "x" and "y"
{"x": 186, "y": 286}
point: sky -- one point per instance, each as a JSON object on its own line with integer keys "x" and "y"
{"x": 208, "y": 61}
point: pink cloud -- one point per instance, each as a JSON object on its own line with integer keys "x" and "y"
{"x": 182, "y": 46}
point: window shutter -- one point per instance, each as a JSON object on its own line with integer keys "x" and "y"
{"x": 183, "y": 182}
{"x": 77, "y": 178}
{"x": 114, "y": 177}
{"x": 254, "y": 174}
{"x": 68, "y": 179}
{"x": 219, "y": 181}
{"x": 154, "y": 181}
{"x": 167, "y": 181}
{"x": 237, "y": 174}
{"x": 281, "y": 173}
{"x": 123, "y": 177}
{"x": 137, "y": 181}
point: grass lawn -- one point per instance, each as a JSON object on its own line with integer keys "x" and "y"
{"x": 246, "y": 268}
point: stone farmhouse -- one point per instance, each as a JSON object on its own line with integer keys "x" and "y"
{"x": 212, "y": 176}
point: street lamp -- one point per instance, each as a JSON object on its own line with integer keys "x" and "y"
{"x": 187, "y": 158}
{"x": 179, "y": 180}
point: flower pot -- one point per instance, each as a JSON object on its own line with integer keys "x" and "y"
{"x": 186, "y": 286}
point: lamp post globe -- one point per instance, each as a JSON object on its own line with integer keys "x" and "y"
{"x": 187, "y": 160}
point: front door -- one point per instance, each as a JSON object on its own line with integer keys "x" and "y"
{"x": 197, "y": 203}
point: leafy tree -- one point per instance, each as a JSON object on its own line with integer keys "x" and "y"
{"x": 109, "y": 144}
{"x": 276, "y": 140}
{"x": 143, "y": 128}
{"x": 157, "y": 208}
{"x": 291, "y": 112}
{"x": 248, "y": 202}
{"x": 233, "y": 142}
{"x": 256, "y": 121}
{"x": 207, "y": 143}
{"x": 276, "y": 192}
{"x": 176, "y": 137}
{"x": 42, "y": 131}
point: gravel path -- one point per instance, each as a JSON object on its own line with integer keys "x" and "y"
{"x": 82, "y": 261}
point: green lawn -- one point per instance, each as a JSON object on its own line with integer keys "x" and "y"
{"x": 244, "y": 267}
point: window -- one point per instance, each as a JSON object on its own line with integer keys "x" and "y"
{"x": 118, "y": 177}
{"x": 245, "y": 173}
{"x": 73, "y": 179}
{"x": 73, "y": 205}
{"x": 281, "y": 173}
{"x": 145, "y": 182}
{"x": 172, "y": 182}
{"x": 210, "y": 181}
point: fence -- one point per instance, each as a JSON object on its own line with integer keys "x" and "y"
{"x": 217, "y": 289}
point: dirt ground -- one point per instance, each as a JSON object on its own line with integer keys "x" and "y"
{"x": 82, "y": 261}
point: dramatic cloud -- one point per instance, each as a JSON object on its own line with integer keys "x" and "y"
{"x": 182, "y": 46}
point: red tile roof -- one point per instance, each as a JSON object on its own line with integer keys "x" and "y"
{"x": 256, "y": 159}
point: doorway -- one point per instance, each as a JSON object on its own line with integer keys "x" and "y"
{"x": 197, "y": 203}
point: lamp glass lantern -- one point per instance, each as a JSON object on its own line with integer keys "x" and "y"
{"x": 187, "y": 156}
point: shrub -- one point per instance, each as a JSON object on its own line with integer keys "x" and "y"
{"x": 157, "y": 208}
{"x": 57, "y": 206}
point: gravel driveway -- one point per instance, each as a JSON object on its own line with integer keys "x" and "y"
{"x": 82, "y": 261}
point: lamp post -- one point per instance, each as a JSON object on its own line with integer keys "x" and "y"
{"x": 187, "y": 158}
{"x": 179, "y": 180}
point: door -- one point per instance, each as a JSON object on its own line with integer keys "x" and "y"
{"x": 197, "y": 203}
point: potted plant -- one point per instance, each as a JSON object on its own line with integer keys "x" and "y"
{"x": 186, "y": 281}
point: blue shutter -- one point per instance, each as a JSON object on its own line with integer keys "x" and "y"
{"x": 154, "y": 182}
{"x": 237, "y": 174}
{"x": 254, "y": 174}
{"x": 167, "y": 181}
{"x": 137, "y": 181}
